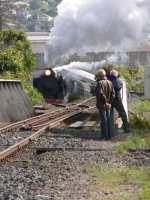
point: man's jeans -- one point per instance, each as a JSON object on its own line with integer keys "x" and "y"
{"x": 105, "y": 119}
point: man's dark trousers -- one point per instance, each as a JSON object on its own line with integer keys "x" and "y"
{"x": 105, "y": 123}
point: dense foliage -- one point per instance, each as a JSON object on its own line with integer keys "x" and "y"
{"x": 134, "y": 76}
{"x": 15, "y": 52}
{"x": 17, "y": 60}
{"x": 46, "y": 6}
{"x": 36, "y": 15}
{"x": 42, "y": 14}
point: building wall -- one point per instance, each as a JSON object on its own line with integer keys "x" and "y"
{"x": 39, "y": 42}
{"x": 39, "y": 58}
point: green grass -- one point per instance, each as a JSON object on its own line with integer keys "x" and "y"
{"x": 140, "y": 118}
{"x": 121, "y": 183}
{"x": 141, "y": 106}
{"x": 137, "y": 141}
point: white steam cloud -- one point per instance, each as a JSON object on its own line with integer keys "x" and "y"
{"x": 116, "y": 58}
{"x": 98, "y": 25}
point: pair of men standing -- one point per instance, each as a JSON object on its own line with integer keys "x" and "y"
{"x": 107, "y": 98}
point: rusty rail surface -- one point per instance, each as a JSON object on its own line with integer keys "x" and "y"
{"x": 13, "y": 149}
{"x": 33, "y": 121}
{"x": 26, "y": 122}
{"x": 41, "y": 128}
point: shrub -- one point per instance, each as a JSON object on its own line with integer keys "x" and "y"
{"x": 15, "y": 52}
{"x": 35, "y": 96}
{"x": 134, "y": 76}
{"x": 139, "y": 118}
{"x": 17, "y": 61}
{"x": 73, "y": 97}
{"x": 10, "y": 60}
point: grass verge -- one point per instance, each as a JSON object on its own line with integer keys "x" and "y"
{"x": 121, "y": 183}
{"x": 137, "y": 141}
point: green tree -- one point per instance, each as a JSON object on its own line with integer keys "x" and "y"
{"x": 134, "y": 76}
{"x": 53, "y": 7}
{"x": 15, "y": 52}
{"x": 17, "y": 61}
{"x": 35, "y": 4}
{"x": 11, "y": 60}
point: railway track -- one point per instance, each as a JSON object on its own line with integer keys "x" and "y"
{"x": 48, "y": 173}
{"x": 31, "y": 122}
{"x": 55, "y": 166}
{"x": 23, "y": 133}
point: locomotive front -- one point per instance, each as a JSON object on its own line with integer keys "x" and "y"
{"x": 51, "y": 86}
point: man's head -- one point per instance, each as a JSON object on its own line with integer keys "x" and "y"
{"x": 101, "y": 73}
{"x": 114, "y": 73}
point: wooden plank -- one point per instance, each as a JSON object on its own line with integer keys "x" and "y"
{"x": 39, "y": 112}
{"x": 40, "y": 150}
{"x": 89, "y": 124}
{"x": 77, "y": 124}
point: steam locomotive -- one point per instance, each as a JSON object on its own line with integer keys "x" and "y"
{"x": 51, "y": 86}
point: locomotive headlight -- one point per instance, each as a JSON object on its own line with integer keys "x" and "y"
{"x": 47, "y": 72}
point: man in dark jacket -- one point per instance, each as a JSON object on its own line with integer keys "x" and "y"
{"x": 117, "y": 102}
{"x": 104, "y": 97}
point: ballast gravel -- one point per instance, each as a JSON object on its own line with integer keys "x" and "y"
{"x": 57, "y": 175}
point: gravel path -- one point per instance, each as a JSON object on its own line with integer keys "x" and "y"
{"x": 57, "y": 175}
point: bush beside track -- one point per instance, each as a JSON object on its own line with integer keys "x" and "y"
{"x": 17, "y": 61}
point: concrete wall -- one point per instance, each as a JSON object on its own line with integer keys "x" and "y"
{"x": 39, "y": 42}
{"x": 14, "y": 103}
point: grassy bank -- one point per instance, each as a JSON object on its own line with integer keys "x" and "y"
{"x": 121, "y": 183}
{"x": 137, "y": 141}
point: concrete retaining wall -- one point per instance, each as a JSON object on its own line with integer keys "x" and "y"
{"x": 14, "y": 103}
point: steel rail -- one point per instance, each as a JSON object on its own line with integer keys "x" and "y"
{"x": 20, "y": 145}
{"x": 54, "y": 123}
{"x": 42, "y": 118}
{"x": 25, "y": 122}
